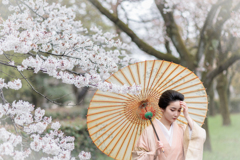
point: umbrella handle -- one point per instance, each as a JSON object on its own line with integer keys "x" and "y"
{"x": 149, "y": 117}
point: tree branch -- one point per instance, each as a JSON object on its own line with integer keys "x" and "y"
{"x": 37, "y": 91}
{"x": 208, "y": 23}
{"x": 139, "y": 42}
{"x": 32, "y": 10}
{"x": 2, "y": 97}
{"x": 173, "y": 33}
{"x": 225, "y": 65}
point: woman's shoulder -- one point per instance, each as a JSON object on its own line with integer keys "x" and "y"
{"x": 148, "y": 131}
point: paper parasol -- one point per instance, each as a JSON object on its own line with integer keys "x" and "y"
{"x": 115, "y": 121}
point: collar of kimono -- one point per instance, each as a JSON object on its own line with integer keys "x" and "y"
{"x": 167, "y": 147}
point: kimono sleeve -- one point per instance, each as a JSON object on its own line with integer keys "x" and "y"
{"x": 193, "y": 146}
{"x": 143, "y": 149}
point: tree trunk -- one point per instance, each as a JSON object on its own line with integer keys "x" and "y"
{"x": 211, "y": 106}
{"x": 80, "y": 94}
{"x": 207, "y": 144}
{"x": 222, "y": 84}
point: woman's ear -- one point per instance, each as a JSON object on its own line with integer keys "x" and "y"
{"x": 162, "y": 110}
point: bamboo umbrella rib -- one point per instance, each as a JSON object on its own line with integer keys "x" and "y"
{"x": 157, "y": 73}
{"x": 114, "y": 138}
{"x": 105, "y": 111}
{"x": 181, "y": 120}
{"x": 151, "y": 74}
{"x": 125, "y": 77}
{"x": 102, "y": 117}
{"x": 197, "y": 90}
{"x": 111, "y": 118}
{"x": 129, "y": 68}
{"x": 121, "y": 94}
{"x": 105, "y": 106}
{"x": 178, "y": 80}
{"x": 161, "y": 84}
{"x": 134, "y": 80}
{"x": 129, "y": 141}
{"x": 158, "y": 90}
{"x": 139, "y": 79}
{"x": 122, "y": 83}
{"x": 117, "y": 127}
{"x": 99, "y": 94}
{"x": 112, "y": 133}
{"x": 188, "y": 86}
{"x": 127, "y": 97}
{"x": 135, "y": 136}
{"x": 105, "y": 120}
{"x": 107, "y": 101}
{"x": 162, "y": 75}
{"x": 105, "y": 126}
{"x": 196, "y": 114}
{"x": 192, "y": 119}
{"x": 134, "y": 116}
{"x": 183, "y": 83}
{"x": 198, "y": 108}
{"x": 117, "y": 79}
{"x": 135, "y": 98}
{"x": 123, "y": 141}
{"x": 144, "y": 83}
{"x": 138, "y": 73}
{"x": 173, "y": 77}
{"x": 119, "y": 139}
{"x": 197, "y": 102}
{"x": 194, "y": 96}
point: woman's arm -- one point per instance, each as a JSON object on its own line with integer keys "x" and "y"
{"x": 143, "y": 149}
{"x": 186, "y": 115}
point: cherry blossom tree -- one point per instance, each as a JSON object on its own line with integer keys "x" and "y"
{"x": 193, "y": 33}
{"x": 52, "y": 42}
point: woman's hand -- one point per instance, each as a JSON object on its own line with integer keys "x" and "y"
{"x": 160, "y": 145}
{"x": 185, "y": 109}
{"x": 185, "y": 113}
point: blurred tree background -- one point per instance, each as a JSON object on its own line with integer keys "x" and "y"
{"x": 203, "y": 43}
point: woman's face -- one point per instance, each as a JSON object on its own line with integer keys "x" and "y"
{"x": 172, "y": 112}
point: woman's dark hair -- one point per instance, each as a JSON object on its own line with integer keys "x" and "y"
{"x": 169, "y": 96}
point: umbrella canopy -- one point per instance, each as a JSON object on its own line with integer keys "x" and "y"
{"x": 115, "y": 121}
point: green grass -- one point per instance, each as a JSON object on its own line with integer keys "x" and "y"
{"x": 225, "y": 140}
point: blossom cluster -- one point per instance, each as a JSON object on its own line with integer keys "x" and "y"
{"x": 9, "y": 141}
{"x": 16, "y": 84}
{"x": 54, "y": 143}
{"x": 59, "y": 44}
{"x": 57, "y": 68}
{"x": 233, "y": 23}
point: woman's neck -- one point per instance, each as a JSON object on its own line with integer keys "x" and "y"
{"x": 166, "y": 123}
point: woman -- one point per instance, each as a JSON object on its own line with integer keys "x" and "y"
{"x": 176, "y": 142}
